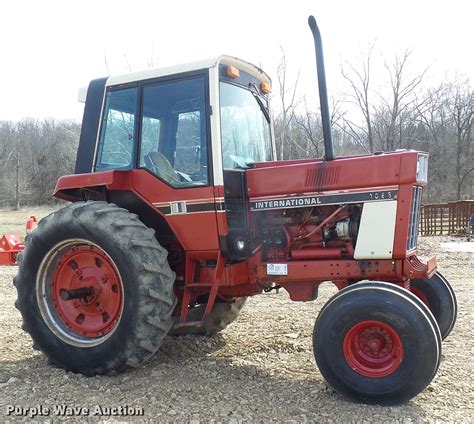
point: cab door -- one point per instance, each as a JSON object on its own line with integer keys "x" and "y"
{"x": 172, "y": 168}
{"x": 174, "y": 151}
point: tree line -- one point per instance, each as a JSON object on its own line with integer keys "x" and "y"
{"x": 399, "y": 113}
{"x": 33, "y": 155}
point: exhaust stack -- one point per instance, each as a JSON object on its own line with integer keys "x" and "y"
{"x": 323, "y": 92}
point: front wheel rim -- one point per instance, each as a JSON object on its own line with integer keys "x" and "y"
{"x": 80, "y": 293}
{"x": 373, "y": 349}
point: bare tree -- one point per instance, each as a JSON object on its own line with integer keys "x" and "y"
{"x": 400, "y": 105}
{"x": 434, "y": 121}
{"x": 461, "y": 111}
{"x": 359, "y": 82}
{"x": 288, "y": 102}
{"x": 445, "y": 113}
{"x": 311, "y": 131}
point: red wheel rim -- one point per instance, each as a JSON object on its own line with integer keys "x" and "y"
{"x": 373, "y": 349}
{"x": 420, "y": 295}
{"x": 87, "y": 267}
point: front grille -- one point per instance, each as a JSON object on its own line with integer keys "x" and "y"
{"x": 414, "y": 217}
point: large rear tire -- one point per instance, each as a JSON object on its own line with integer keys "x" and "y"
{"x": 222, "y": 315}
{"x": 376, "y": 344}
{"x": 439, "y": 296}
{"x": 95, "y": 289}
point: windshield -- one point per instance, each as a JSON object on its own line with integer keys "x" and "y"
{"x": 245, "y": 131}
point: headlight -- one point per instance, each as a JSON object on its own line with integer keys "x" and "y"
{"x": 240, "y": 244}
{"x": 422, "y": 168}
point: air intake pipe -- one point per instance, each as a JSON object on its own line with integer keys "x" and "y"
{"x": 323, "y": 92}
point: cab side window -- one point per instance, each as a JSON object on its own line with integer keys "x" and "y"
{"x": 150, "y": 136}
{"x": 173, "y": 132}
{"x": 117, "y": 145}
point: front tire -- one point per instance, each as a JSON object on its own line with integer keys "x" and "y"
{"x": 439, "y": 296}
{"x": 95, "y": 289}
{"x": 376, "y": 344}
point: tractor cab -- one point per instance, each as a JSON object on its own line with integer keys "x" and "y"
{"x": 184, "y": 132}
{"x": 183, "y": 124}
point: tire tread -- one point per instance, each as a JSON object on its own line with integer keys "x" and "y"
{"x": 156, "y": 279}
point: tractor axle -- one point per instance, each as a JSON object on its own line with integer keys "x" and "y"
{"x": 77, "y": 293}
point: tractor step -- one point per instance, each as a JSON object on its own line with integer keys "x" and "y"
{"x": 188, "y": 324}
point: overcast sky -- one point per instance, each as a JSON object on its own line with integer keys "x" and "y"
{"x": 51, "y": 48}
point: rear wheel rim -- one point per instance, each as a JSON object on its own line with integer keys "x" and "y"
{"x": 373, "y": 349}
{"x": 80, "y": 293}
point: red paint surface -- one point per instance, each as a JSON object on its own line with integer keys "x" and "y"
{"x": 310, "y": 259}
{"x": 88, "y": 267}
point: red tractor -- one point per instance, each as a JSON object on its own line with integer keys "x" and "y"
{"x": 179, "y": 211}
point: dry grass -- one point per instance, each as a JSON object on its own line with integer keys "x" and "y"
{"x": 14, "y": 221}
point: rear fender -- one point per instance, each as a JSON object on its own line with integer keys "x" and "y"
{"x": 92, "y": 186}
{"x": 115, "y": 187}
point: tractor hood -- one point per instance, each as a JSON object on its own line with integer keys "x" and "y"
{"x": 292, "y": 179}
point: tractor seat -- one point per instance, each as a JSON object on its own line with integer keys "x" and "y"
{"x": 157, "y": 162}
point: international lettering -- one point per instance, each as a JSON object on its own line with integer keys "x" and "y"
{"x": 310, "y": 201}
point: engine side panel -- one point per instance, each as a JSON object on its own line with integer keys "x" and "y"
{"x": 367, "y": 172}
{"x": 376, "y": 231}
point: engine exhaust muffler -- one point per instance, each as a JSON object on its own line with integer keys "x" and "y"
{"x": 323, "y": 91}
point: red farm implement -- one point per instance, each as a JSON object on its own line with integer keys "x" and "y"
{"x": 11, "y": 244}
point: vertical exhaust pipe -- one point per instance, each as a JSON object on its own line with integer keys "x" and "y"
{"x": 323, "y": 91}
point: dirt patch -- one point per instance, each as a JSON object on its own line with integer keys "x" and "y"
{"x": 261, "y": 368}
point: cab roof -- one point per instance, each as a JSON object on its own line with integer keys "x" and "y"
{"x": 187, "y": 67}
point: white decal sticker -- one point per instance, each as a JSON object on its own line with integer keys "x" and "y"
{"x": 277, "y": 269}
{"x": 178, "y": 207}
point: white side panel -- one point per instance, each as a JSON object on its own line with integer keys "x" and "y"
{"x": 376, "y": 230}
{"x": 215, "y": 126}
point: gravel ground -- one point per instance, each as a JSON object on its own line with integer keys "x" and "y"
{"x": 259, "y": 369}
